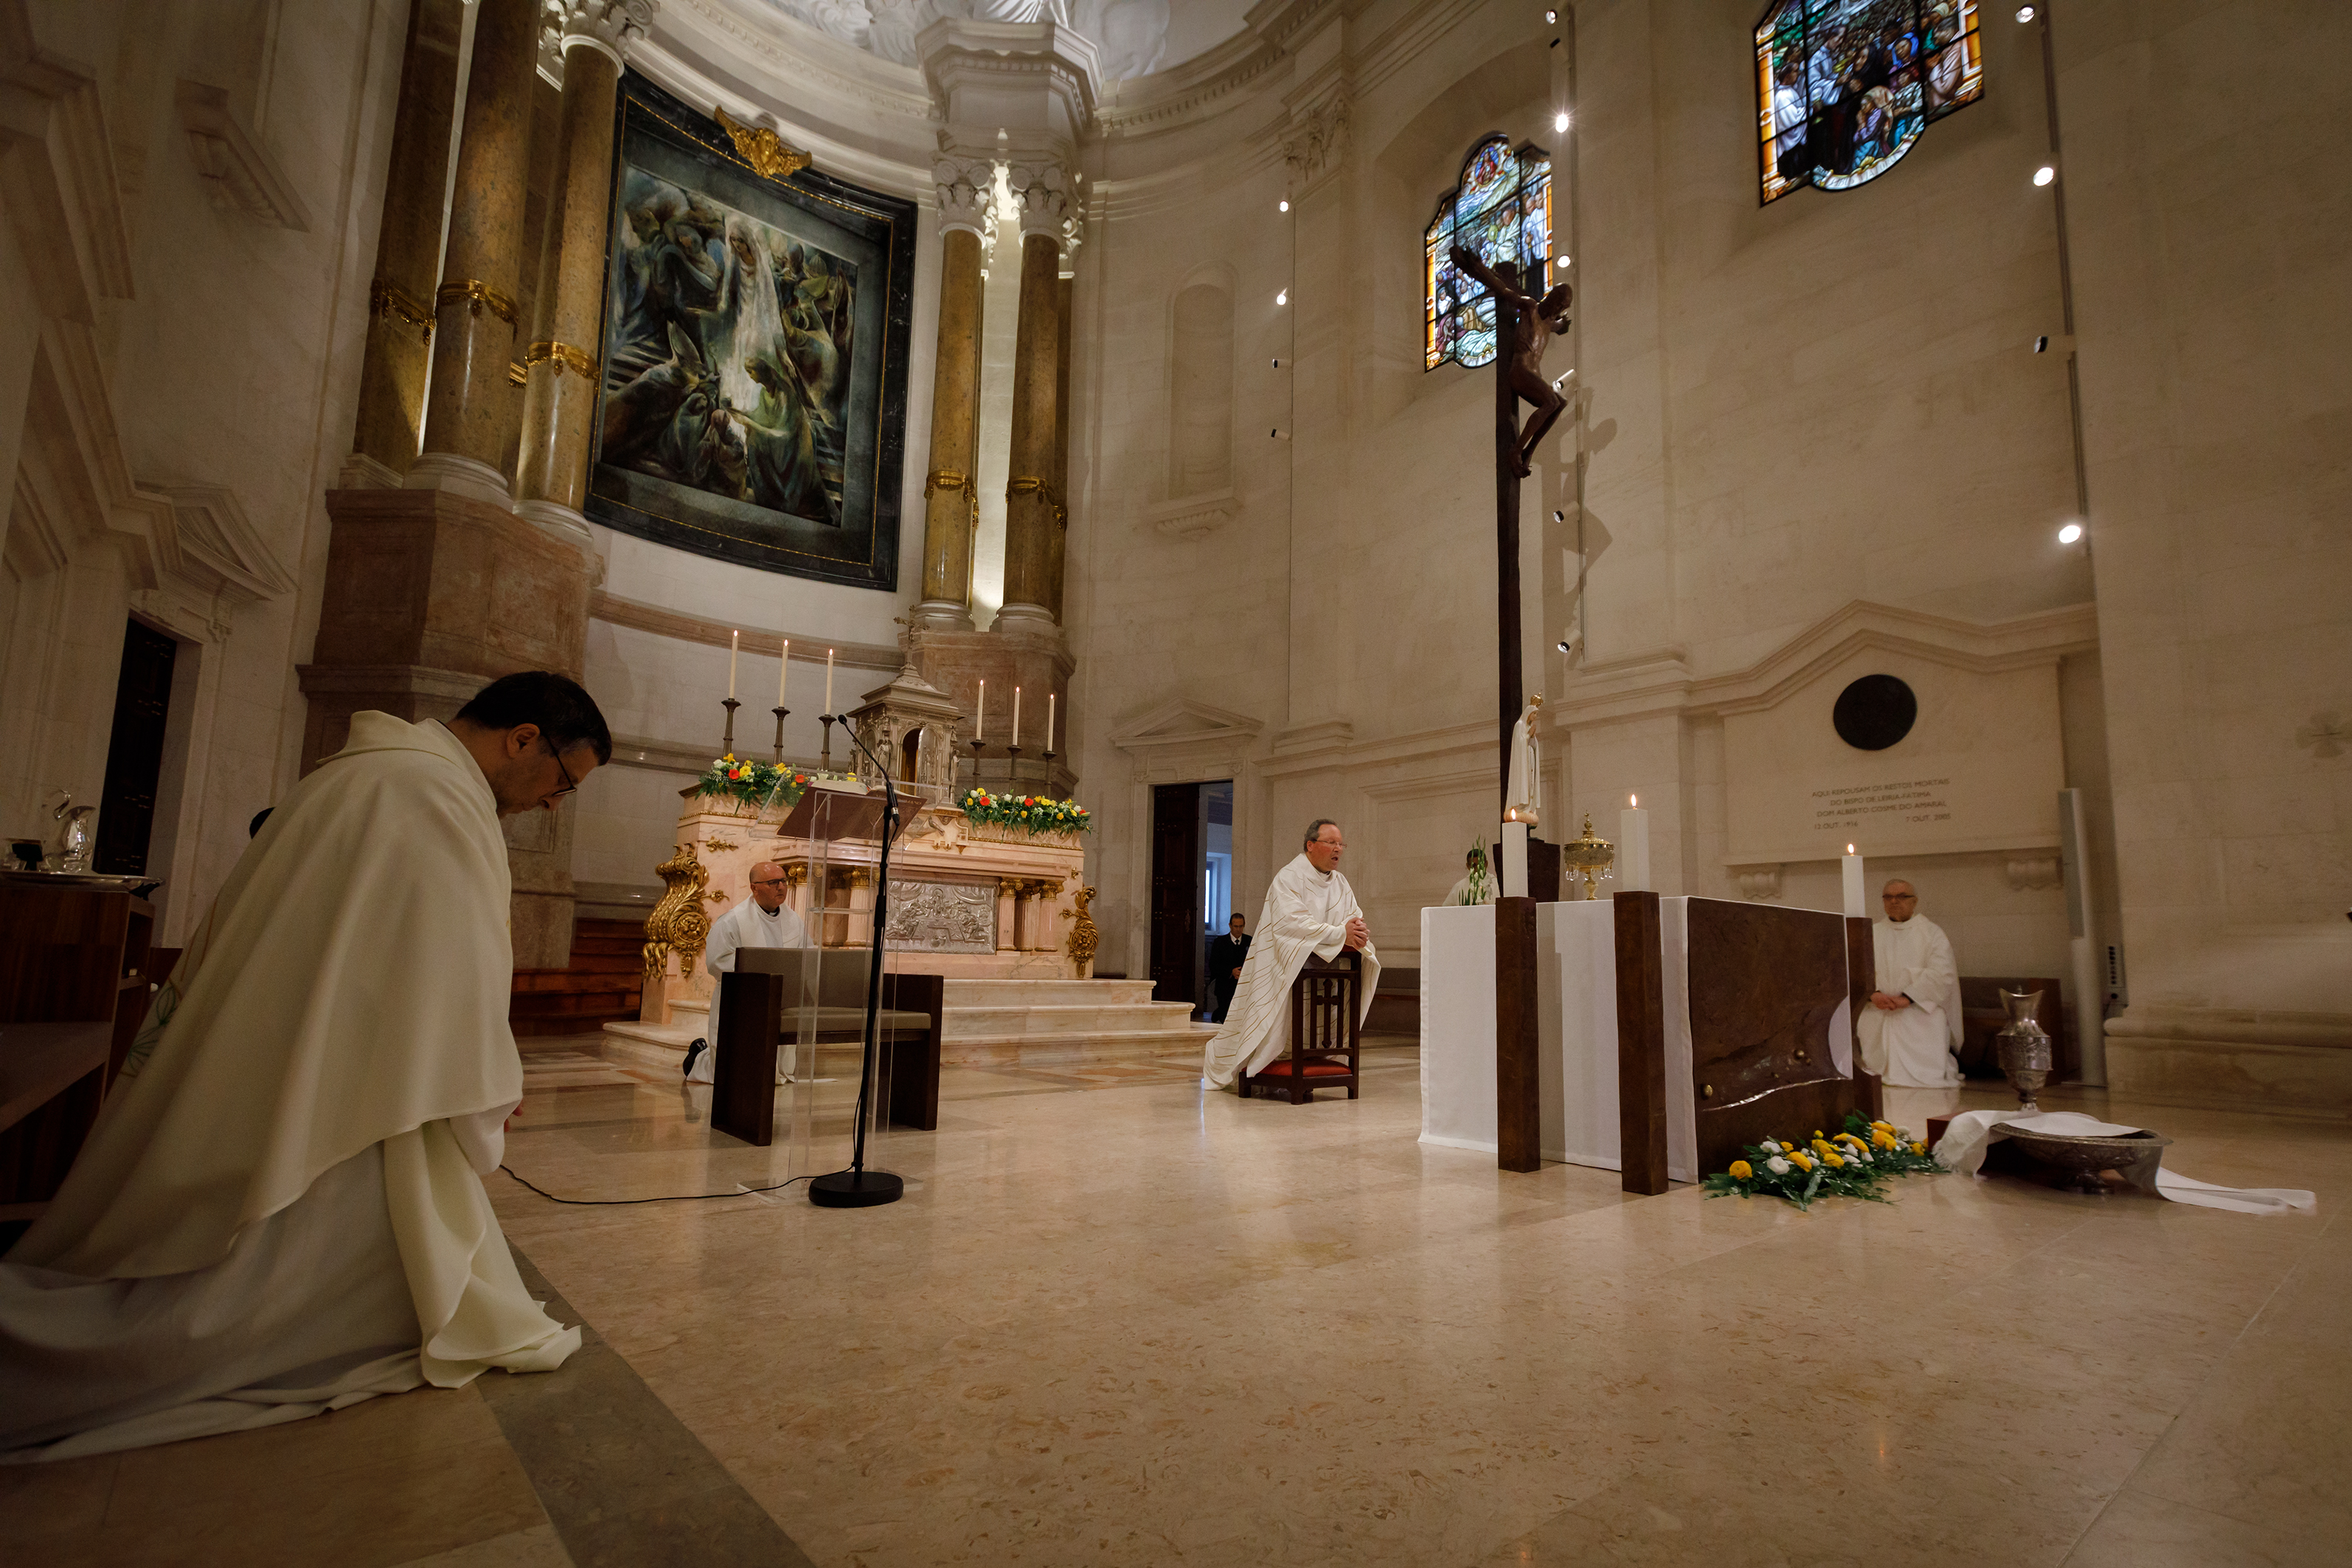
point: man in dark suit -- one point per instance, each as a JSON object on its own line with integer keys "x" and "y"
{"x": 1225, "y": 955}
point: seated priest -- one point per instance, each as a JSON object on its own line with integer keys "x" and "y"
{"x": 1477, "y": 883}
{"x": 280, "y": 1209}
{"x": 1309, "y": 908}
{"x": 759, "y": 920}
{"x": 1912, "y": 1027}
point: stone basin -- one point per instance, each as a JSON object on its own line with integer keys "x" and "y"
{"x": 2134, "y": 1155}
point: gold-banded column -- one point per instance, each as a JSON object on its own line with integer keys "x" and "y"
{"x": 562, "y": 361}
{"x": 407, "y": 252}
{"x": 474, "y": 308}
{"x": 1059, "y": 545}
{"x": 950, "y": 504}
{"x": 1034, "y": 511}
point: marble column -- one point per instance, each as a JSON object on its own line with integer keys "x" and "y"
{"x": 560, "y": 364}
{"x": 950, "y": 505}
{"x": 407, "y": 252}
{"x": 1057, "y": 546}
{"x": 1033, "y": 513}
{"x": 466, "y": 406}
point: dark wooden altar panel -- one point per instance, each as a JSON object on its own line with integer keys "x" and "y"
{"x": 1519, "y": 1089}
{"x": 1641, "y": 1044}
{"x": 1861, "y": 980}
{"x": 1765, "y": 985}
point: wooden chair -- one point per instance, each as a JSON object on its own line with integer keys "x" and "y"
{"x": 1326, "y": 1008}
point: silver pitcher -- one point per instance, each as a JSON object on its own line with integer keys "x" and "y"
{"x": 2025, "y": 1050}
{"x": 73, "y": 832}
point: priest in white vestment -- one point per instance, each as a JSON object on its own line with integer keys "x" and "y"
{"x": 760, "y": 920}
{"x": 1309, "y": 908}
{"x": 1912, "y": 1026}
{"x": 280, "y": 1208}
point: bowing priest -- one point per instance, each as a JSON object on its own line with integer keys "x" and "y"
{"x": 280, "y": 1209}
{"x": 1912, "y": 1026}
{"x": 759, "y": 920}
{"x": 1309, "y": 908}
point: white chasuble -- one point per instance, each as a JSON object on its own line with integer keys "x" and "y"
{"x": 1912, "y": 1047}
{"x": 280, "y": 1208}
{"x": 745, "y": 925}
{"x": 1307, "y": 911}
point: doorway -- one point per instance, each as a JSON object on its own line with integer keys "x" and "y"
{"x": 134, "y": 755}
{"x": 1191, "y": 885}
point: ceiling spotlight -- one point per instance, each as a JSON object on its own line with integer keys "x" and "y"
{"x": 1563, "y": 645}
{"x": 1551, "y": 18}
{"x": 2044, "y": 174}
{"x": 2025, "y": 12}
{"x": 1560, "y": 263}
{"x": 1559, "y": 120}
{"x": 2042, "y": 345}
{"x": 1285, "y": 203}
{"x": 2070, "y": 533}
{"x": 1277, "y": 364}
{"x": 1283, "y": 297}
{"x": 1559, "y": 516}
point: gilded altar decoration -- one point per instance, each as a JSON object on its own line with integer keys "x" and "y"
{"x": 768, "y": 153}
{"x": 1590, "y": 855}
{"x": 1085, "y": 936}
{"x": 677, "y": 924}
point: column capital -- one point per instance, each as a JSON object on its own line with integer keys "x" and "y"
{"x": 608, "y": 26}
{"x": 1047, "y": 193}
{"x": 965, "y": 184}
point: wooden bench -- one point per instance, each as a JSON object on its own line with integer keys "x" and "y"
{"x": 1325, "y": 1013}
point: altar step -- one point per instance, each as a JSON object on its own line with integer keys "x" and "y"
{"x": 599, "y": 986}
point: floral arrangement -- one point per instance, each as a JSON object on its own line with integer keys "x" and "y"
{"x": 754, "y": 783}
{"x": 1030, "y": 812}
{"x": 1851, "y": 1165}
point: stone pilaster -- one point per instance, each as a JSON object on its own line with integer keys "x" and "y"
{"x": 467, "y": 406}
{"x": 562, "y": 362}
{"x": 951, "y": 508}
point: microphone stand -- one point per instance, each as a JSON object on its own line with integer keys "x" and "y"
{"x": 858, "y": 1187}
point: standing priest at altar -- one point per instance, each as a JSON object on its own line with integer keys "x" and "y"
{"x": 1309, "y": 908}
{"x": 760, "y": 920}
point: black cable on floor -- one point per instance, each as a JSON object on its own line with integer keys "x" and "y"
{"x": 669, "y": 1198}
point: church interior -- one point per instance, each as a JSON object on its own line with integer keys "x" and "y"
{"x": 1729, "y": 476}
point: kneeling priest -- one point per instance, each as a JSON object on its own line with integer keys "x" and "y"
{"x": 1309, "y": 908}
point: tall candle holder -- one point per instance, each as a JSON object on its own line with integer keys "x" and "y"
{"x": 1012, "y": 765}
{"x": 975, "y": 746}
{"x": 781, "y": 714}
{"x": 825, "y": 757}
{"x": 727, "y": 749}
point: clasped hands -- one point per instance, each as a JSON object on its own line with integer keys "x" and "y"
{"x": 1359, "y": 936}
{"x": 1886, "y": 1003}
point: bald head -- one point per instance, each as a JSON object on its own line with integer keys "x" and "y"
{"x": 1900, "y": 899}
{"x": 768, "y": 884}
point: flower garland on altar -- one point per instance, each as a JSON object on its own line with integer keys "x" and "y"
{"x": 1851, "y": 1165}
{"x": 755, "y": 784}
{"x": 1029, "y": 813}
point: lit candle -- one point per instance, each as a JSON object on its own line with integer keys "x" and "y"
{"x": 734, "y": 643}
{"x": 1016, "y": 716}
{"x": 1856, "y": 899}
{"x": 1633, "y": 847}
{"x": 1049, "y": 720}
{"x": 784, "y": 670}
{"x": 980, "y": 724}
{"x": 828, "y": 681}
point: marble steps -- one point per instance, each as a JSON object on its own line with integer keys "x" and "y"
{"x": 1051, "y": 993}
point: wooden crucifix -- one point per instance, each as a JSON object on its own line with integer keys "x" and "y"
{"x": 1523, "y": 326}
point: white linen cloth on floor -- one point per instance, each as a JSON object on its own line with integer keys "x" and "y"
{"x": 1307, "y": 911}
{"x": 1912, "y": 1047}
{"x": 342, "y": 1009}
{"x": 1962, "y": 1149}
{"x": 745, "y": 925}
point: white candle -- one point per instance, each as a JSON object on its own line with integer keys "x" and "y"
{"x": 1633, "y": 847}
{"x": 1049, "y": 720}
{"x": 734, "y": 643}
{"x": 1016, "y": 716}
{"x": 1857, "y": 902}
{"x": 828, "y": 681}
{"x": 980, "y": 724}
{"x": 784, "y": 670}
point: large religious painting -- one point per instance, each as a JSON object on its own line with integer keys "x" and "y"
{"x": 1501, "y": 213}
{"x": 755, "y": 390}
{"x": 1843, "y": 88}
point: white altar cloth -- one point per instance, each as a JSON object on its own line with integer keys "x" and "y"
{"x": 1576, "y": 1014}
{"x": 1970, "y": 1133}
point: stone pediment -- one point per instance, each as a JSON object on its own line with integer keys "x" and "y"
{"x": 1185, "y": 722}
{"x": 215, "y": 548}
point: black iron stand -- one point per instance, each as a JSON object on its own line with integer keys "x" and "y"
{"x": 858, "y": 1187}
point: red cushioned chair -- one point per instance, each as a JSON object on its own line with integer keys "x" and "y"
{"x": 1325, "y": 1011}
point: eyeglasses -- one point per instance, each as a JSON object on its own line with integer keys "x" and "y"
{"x": 1899, "y": 897}
{"x": 570, "y": 784}
{"x": 767, "y": 881}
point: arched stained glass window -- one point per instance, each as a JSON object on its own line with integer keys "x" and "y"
{"x": 1501, "y": 212}
{"x": 1843, "y": 88}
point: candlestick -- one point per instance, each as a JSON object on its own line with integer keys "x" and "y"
{"x": 734, "y": 643}
{"x": 781, "y": 712}
{"x": 824, "y": 758}
{"x": 727, "y": 749}
{"x": 1633, "y": 847}
{"x": 1049, "y": 723}
{"x": 1012, "y": 763}
{"x": 828, "y": 681}
{"x": 1856, "y": 899}
{"x": 980, "y": 728}
{"x": 1016, "y": 718}
{"x": 974, "y": 744}
{"x": 784, "y": 670}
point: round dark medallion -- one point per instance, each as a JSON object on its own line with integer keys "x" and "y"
{"x": 1874, "y": 712}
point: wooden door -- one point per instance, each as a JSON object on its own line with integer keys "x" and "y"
{"x": 1177, "y": 860}
{"x": 134, "y": 757}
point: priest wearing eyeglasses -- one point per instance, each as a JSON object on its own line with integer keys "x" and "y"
{"x": 760, "y": 920}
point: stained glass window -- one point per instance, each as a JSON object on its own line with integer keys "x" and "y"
{"x": 1843, "y": 88}
{"x": 1501, "y": 212}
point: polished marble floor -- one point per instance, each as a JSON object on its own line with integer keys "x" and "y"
{"x": 1116, "y": 1322}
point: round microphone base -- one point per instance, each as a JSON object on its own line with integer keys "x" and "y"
{"x": 855, "y": 1189}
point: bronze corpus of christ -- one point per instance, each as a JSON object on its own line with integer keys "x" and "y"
{"x": 1523, "y": 323}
